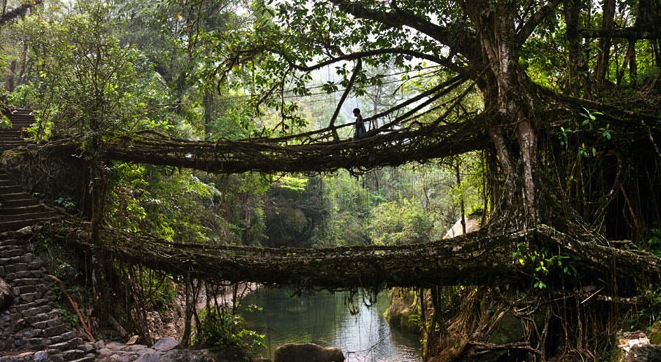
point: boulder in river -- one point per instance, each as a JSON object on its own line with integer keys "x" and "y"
{"x": 307, "y": 352}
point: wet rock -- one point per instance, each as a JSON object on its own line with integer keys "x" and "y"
{"x": 644, "y": 353}
{"x": 150, "y": 357}
{"x": 307, "y": 352}
{"x": 184, "y": 355}
{"x": 6, "y": 296}
{"x": 41, "y": 356}
{"x": 636, "y": 347}
{"x": 164, "y": 350}
{"x": 166, "y": 344}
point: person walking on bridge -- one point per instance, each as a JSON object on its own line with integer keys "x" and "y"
{"x": 360, "y": 130}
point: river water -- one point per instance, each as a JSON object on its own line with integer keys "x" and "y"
{"x": 325, "y": 318}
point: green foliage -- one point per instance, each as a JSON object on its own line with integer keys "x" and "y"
{"x": 67, "y": 204}
{"x": 154, "y": 288}
{"x": 348, "y": 207}
{"x": 4, "y": 121}
{"x": 168, "y": 204}
{"x": 241, "y": 204}
{"x": 293, "y": 183}
{"x": 23, "y": 96}
{"x": 220, "y": 328}
{"x": 543, "y": 263}
{"x": 85, "y": 81}
{"x": 591, "y": 129}
{"x": 654, "y": 241}
{"x": 69, "y": 318}
{"x": 399, "y": 222}
{"x": 649, "y": 311}
{"x": 470, "y": 190}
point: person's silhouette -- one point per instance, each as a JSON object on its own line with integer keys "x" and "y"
{"x": 359, "y": 126}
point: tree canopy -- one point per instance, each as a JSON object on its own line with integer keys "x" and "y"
{"x": 558, "y": 99}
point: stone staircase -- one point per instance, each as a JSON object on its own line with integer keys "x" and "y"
{"x": 14, "y": 137}
{"x": 32, "y": 329}
{"x": 17, "y": 207}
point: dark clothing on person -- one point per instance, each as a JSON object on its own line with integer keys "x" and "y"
{"x": 360, "y": 130}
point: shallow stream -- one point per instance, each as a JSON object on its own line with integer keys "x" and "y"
{"x": 325, "y": 318}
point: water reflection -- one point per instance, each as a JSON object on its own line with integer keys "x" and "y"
{"x": 324, "y": 318}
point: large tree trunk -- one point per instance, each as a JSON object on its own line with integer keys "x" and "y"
{"x": 603, "y": 58}
{"x": 508, "y": 96}
{"x": 577, "y": 81}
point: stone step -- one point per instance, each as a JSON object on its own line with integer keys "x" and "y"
{"x": 6, "y": 260}
{"x": 39, "y": 307}
{"x": 14, "y": 140}
{"x": 8, "y": 145}
{"x": 39, "y": 317}
{"x": 7, "y": 182}
{"x": 57, "y": 330}
{"x": 30, "y": 344}
{"x": 27, "y": 275}
{"x": 9, "y": 251}
{"x": 63, "y": 337}
{"x": 19, "y": 124}
{"x": 67, "y": 345}
{"x": 23, "y": 214}
{"x": 18, "y": 128}
{"x": 15, "y": 202}
{"x": 89, "y": 358}
{"x": 28, "y": 208}
{"x": 34, "y": 277}
{"x": 22, "y": 113}
{"x": 12, "y": 270}
{"x": 75, "y": 355}
{"x": 10, "y": 189}
{"x": 14, "y": 196}
{"x": 11, "y": 134}
{"x": 10, "y": 243}
{"x": 18, "y": 133}
{"x": 18, "y": 357}
{"x": 17, "y": 225}
{"x": 21, "y": 119}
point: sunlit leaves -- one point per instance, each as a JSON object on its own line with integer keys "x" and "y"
{"x": 399, "y": 223}
{"x": 292, "y": 183}
{"x": 87, "y": 82}
{"x": 168, "y": 204}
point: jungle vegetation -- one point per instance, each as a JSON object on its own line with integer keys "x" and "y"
{"x": 534, "y": 115}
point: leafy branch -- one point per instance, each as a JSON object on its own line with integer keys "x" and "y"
{"x": 544, "y": 262}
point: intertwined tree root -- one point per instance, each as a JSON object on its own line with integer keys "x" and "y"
{"x": 478, "y": 258}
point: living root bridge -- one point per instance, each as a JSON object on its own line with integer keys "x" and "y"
{"x": 473, "y": 259}
{"x": 389, "y": 148}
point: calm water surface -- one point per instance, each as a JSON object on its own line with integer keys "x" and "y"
{"x": 325, "y": 319}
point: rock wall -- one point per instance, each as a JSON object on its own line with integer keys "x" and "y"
{"x": 31, "y": 329}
